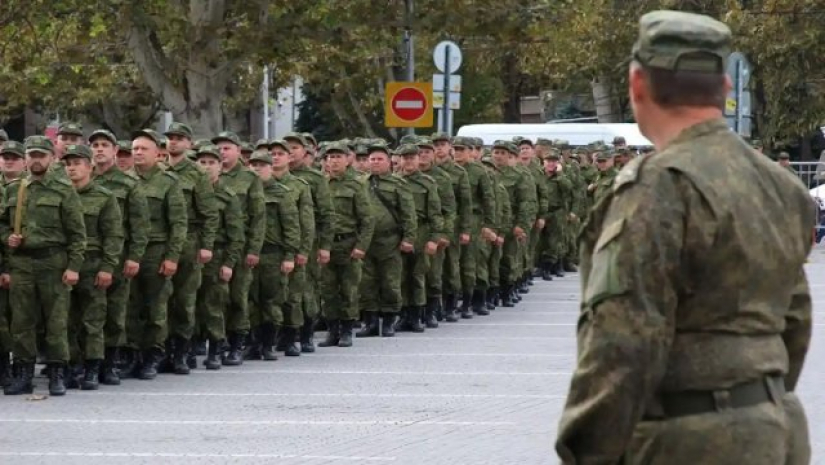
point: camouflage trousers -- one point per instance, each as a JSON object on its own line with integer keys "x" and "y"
{"x": 494, "y": 266}
{"x": 39, "y": 302}
{"x": 293, "y": 310}
{"x": 551, "y": 244}
{"x": 380, "y": 289}
{"x": 531, "y": 249}
{"x": 269, "y": 288}
{"x": 212, "y": 300}
{"x": 435, "y": 275}
{"x": 571, "y": 252}
{"x": 342, "y": 278}
{"x": 146, "y": 317}
{"x": 469, "y": 257}
{"x": 311, "y": 299}
{"x": 117, "y": 301}
{"x": 237, "y": 313}
{"x": 5, "y": 323}
{"x": 762, "y": 434}
{"x": 511, "y": 257}
{"x": 483, "y": 252}
{"x": 185, "y": 285}
{"x": 87, "y": 314}
{"x": 414, "y": 278}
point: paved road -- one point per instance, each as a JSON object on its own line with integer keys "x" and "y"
{"x": 484, "y": 391}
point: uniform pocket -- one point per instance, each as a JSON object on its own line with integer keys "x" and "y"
{"x": 48, "y": 213}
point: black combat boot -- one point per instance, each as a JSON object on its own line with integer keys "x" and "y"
{"x": 524, "y": 288}
{"x": 371, "y": 327}
{"x": 128, "y": 364}
{"x": 166, "y": 364}
{"x": 213, "y": 356}
{"x": 269, "y": 350}
{"x": 109, "y": 374}
{"x": 252, "y": 349}
{"x": 480, "y": 302}
{"x": 22, "y": 382}
{"x": 507, "y": 296}
{"x": 57, "y": 387}
{"x": 289, "y": 337}
{"x": 439, "y": 313}
{"x": 415, "y": 316}
{"x": 403, "y": 323}
{"x": 149, "y": 367}
{"x": 558, "y": 270}
{"x": 388, "y": 324}
{"x": 308, "y": 336}
{"x": 546, "y": 271}
{"x": 199, "y": 347}
{"x": 333, "y": 335}
{"x": 234, "y": 355}
{"x": 430, "y": 313}
{"x": 73, "y": 375}
{"x": 466, "y": 306}
{"x": 5, "y": 369}
{"x": 450, "y": 302}
{"x": 569, "y": 266}
{"x": 528, "y": 278}
{"x": 492, "y": 298}
{"x": 346, "y": 334}
{"x": 90, "y": 380}
{"x": 179, "y": 365}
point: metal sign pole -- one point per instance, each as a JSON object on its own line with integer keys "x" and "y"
{"x": 447, "y": 71}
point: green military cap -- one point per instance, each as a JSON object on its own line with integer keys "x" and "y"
{"x": 544, "y": 142}
{"x": 164, "y": 142}
{"x": 479, "y": 142}
{"x": 39, "y": 144}
{"x": 756, "y": 143}
{"x": 379, "y": 148}
{"x": 337, "y": 147}
{"x": 279, "y": 143}
{"x": 580, "y": 151}
{"x": 262, "y": 156}
{"x": 555, "y": 154}
{"x": 489, "y": 162}
{"x": 486, "y": 153}
{"x": 124, "y": 146}
{"x": 461, "y": 141}
{"x": 310, "y": 139}
{"x": 561, "y": 143}
{"x": 78, "y": 151}
{"x": 246, "y": 147}
{"x": 208, "y": 150}
{"x": 576, "y": 156}
{"x": 262, "y": 143}
{"x": 191, "y": 154}
{"x": 296, "y": 136}
{"x": 70, "y": 128}
{"x": 200, "y": 143}
{"x": 149, "y": 134}
{"x": 407, "y": 150}
{"x": 604, "y": 155}
{"x": 441, "y": 136}
{"x": 12, "y": 147}
{"x": 362, "y": 150}
{"x": 227, "y": 136}
{"x": 108, "y": 135}
{"x": 784, "y": 156}
{"x": 518, "y": 140}
{"x": 4, "y": 136}
{"x": 409, "y": 139}
{"x": 506, "y": 145}
{"x": 680, "y": 41}
{"x": 179, "y": 129}
{"x": 619, "y": 140}
{"x": 424, "y": 142}
{"x": 622, "y": 151}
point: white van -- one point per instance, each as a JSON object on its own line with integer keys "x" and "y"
{"x": 577, "y": 134}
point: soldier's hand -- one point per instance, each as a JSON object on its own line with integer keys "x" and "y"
{"x": 15, "y": 240}
{"x": 70, "y": 277}
{"x": 5, "y": 280}
{"x": 519, "y": 233}
{"x": 103, "y": 280}
{"x": 499, "y": 241}
{"x": 406, "y": 247}
{"x": 488, "y": 234}
{"x": 464, "y": 239}
{"x": 591, "y": 187}
{"x": 168, "y": 268}
{"x": 130, "y": 269}
{"x": 323, "y": 256}
{"x": 252, "y": 260}
{"x": 540, "y": 224}
{"x": 301, "y": 260}
{"x": 204, "y": 256}
{"x": 430, "y": 248}
{"x": 443, "y": 243}
{"x": 357, "y": 254}
{"x": 225, "y": 274}
{"x": 287, "y": 266}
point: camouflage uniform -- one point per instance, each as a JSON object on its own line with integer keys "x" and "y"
{"x": 503, "y": 223}
{"x": 560, "y": 194}
{"x": 9, "y": 148}
{"x": 696, "y": 313}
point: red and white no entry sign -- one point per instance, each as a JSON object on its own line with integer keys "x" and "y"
{"x": 408, "y": 105}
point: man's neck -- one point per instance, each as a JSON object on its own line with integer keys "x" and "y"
{"x": 230, "y": 168}
{"x": 175, "y": 159}
{"x": 672, "y": 123}
{"x": 144, "y": 169}
{"x": 103, "y": 168}
{"x": 80, "y": 184}
{"x": 410, "y": 173}
{"x": 280, "y": 173}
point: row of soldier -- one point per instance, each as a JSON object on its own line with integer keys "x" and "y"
{"x": 124, "y": 259}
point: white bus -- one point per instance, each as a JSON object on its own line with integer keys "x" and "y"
{"x": 577, "y": 134}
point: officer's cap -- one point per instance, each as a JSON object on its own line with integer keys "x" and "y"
{"x": 78, "y": 151}
{"x": 12, "y": 147}
{"x": 149, "y": 134}
{"x": 506, "y": 145}
{"x": 108, "y": 135}
{"x": 407, "y": 150}
{"x": 208, "y": 151}
{"x": 297, "y": 137}
{"x": 262, "y": 156}
{"x": 680, "y": 41}
{"x": 441, "y": 136}
{"x": 227, "y": 136}
{"x": 179, "y": 129}
{"x": 70, "y": 128}
{"x": 39, "y": 144}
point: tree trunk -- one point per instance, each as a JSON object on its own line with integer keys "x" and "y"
{"x": 511, "y": 107}
{"x": 605, "y": 102}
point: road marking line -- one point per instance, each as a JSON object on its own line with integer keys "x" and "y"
{"x": 352, "y": 458}
{"x": 360, "y": 372}
{"x": 395, "y": 395}
{"x": 258, "y": 422}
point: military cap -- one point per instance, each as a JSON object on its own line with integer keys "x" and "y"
{"x": 179, "y": 129}
{"x": 784, "y": 156}
{"x": 518, "y": 140}
{"x": 680, "y": 41}
{"x": 39, "y": 144}
{"x": 361, "y": 150}
{"x": 506, "y": 145}
{"x": 261, "y": 155}
{"x": 407, "y": 150}
{"x": 441, "y": 136}
{"x": 12, "y": 147}
{"x": 227, "y": 136}
{"x": 619, "y": 140}
{"x": 191, "y": 154}
{"x": 337, "y": 147}
{"x": 208, "y": 150}
{"x": 104, "y": 134}
{"x": 124, "y": 146}
{"x": 561, "y": 143}
{"x": 489, "y": 162}
{"x": 479, "y": 142}
{"x": 310, "y": 139}
{"x": 200, "y": 143}
{"x": 461, "y": 141}
{"x": 622, "y": 151}
{"x": 374, "y": 147}
{"x": 70, "y": 128}
{"x": 576, "y": 156}
{"x": 296, "y": 136}
{"x": 247, "y": 147}
{"x": 604, "y": 155}
{"x": 408, "y": 139}
{"x": 544, "y": 142}
{"x": 580, "y": 151}
{"x": 78, "y": 151}
{"x": 164, "y": 142}
{"x": 149, "y": 134}
{"x": 756, "y": 143}
{"x": 261, "y": 143}
{"x": 555, "y": 154}
{"x": 279, "y": 143}
{"x": 4, "y": 136}
{"x": 425, "y": 143}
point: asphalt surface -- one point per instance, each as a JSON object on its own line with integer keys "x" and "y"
{"x": 482, "y": 391}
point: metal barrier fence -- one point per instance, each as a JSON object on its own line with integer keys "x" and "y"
{"x": 812, "y": 174}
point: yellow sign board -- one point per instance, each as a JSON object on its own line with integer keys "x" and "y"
{"x": 730, "y": 105}
{"x": 408, "y": 105}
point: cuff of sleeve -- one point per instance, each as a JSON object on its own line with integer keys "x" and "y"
{"x": 107, "y": 269}
{"x": 172, "y": 257}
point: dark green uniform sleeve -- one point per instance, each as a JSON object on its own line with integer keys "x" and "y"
{"x": 74, "y": 228}
{"x": 291, "y": 226}
{"x": 177, "y": 221}
{"x": 323, "y": 215}
{"x": 112, "y": 242}
{"x": 542, "y": 194}
{"x": 434, "y": 212}
{"x": 464, "y": 204}
{"x": 798, "y": 330}
{"x": 506, "y": 220}
{"x": 234, "y": 230}
{"x": 306, "y": 210}
{"x": 5, "y": 217}
{"x": 256, "y": 217}
{"x": 206, "y": 206}
{"x": 406, "y": 213}
{"x": 137, "y": 218}
{"x": 366, "y": 219}
{"x": 488, "y": 199}
{"x": 448, "y": 207}
{"x": 526, "y": 206}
